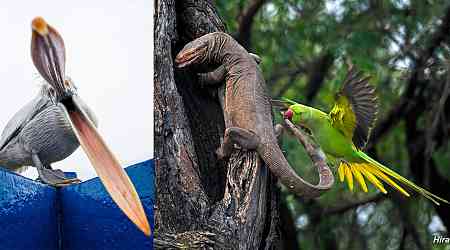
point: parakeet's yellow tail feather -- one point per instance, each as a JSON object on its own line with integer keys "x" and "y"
{"x": 348, "y": 170}
{"x": 373, "y": 169}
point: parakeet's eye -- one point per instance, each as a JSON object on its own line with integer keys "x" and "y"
{"x": 288, "y": 114}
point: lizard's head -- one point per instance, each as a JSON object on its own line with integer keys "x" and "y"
{"x": 193, "y": 53}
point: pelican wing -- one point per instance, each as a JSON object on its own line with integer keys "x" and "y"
{"x": 21, "y": 118}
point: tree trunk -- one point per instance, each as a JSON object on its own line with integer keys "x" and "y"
{"x": 202, "y": 202}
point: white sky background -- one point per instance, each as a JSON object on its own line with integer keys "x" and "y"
{"x": 108, "y": 56}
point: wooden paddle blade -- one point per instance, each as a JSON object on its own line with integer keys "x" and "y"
{"x": 112, "y": 175}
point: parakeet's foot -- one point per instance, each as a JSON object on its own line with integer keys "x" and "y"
{"x": 55, "y": 178}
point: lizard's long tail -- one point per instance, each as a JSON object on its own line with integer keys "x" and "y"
{"x": 372, "y": 170}
{"x": 278, "y": 165}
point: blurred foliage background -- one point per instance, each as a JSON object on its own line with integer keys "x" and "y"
{"x": 405, "y": 46}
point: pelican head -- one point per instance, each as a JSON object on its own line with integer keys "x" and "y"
{"x": 48, "y": 54}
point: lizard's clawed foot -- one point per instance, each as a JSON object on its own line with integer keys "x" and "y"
{"x": 56, "y": 178}
{"x": 256, "y": 58}
{"x": 237, "y": 137}
{"x": 278, "y": 130}
{"x": 245, "y": 138}
{"x": 220, "y": 154}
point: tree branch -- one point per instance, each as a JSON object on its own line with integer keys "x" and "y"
{"x": 316, "y": 71}
{"x": 350, "y": 206}
{"x": 407, "y": 102}
{"x": 245, "y": 20}
{"x": 326, "y": 178}
{"x": 409, "y": 226}
{"x": 186, "y": 240}
{"x": 284, "y": 71}
{"x": 289, "y": 232}
{"x": 202, "y": 202}
{"x": 317, "y": 75}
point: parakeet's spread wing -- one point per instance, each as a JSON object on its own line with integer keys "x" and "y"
{"x": 355, "y": 109}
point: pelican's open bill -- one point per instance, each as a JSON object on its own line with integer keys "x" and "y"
{"x": 48, "y": 54}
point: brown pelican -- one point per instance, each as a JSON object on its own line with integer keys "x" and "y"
{"x": 56, "y": 122}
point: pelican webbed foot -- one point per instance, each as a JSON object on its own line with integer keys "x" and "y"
{"x": 55, "y": 178}
{"x": 52, "y": 177}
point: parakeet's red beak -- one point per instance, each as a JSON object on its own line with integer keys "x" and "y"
{"x": 288, "y": 114}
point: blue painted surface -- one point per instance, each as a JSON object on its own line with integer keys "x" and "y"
{"x": 27, "y": 214}
{"x": 70, "y": 174}
{"x": 82, "y": 216}
{"x": 93, "y": 221}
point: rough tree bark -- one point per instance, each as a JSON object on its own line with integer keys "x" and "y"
{"x": 202, "y": 202}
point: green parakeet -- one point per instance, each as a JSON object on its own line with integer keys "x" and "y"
{"x": 343, "y": 133}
